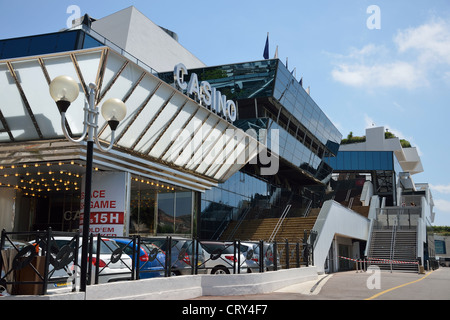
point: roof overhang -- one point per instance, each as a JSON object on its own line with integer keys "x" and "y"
{"x": 164, "y": 130}
{"x": 409, "y": 160}
{"x": 62, "y": 150}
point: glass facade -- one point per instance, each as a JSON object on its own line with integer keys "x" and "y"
{"x": 156, "y": 208}
{"x": 237, "y": 81}
{"x": 230, "y": 200}
{"x": 305, "y": 133}
{"x": 270, "y": 79}
{"x": 246, "y": 196}
{"x": 299, "y": 103}
{"x": 46, "y": 44}
{"x": 362, "y": 161}
{"x": 296, "y": 153}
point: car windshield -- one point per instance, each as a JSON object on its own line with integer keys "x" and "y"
{"x": 160, "y": 243}
{"x": 106, "y": 246}
{"x": 148, "y": 247}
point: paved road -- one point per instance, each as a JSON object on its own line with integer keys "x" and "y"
{"x": 381, "y": 285}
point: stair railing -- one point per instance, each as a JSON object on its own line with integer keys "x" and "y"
{"x": 280, "y": 222}
{"x": 394, "y": 232}
{"x": 308, "y": 209}
{"x": 238, "y": 224}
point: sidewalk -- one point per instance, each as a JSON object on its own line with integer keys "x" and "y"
{"x": 309, "y": 287}
{"x": 299, "y": 291}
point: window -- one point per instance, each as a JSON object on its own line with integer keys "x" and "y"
{"x": 440, "y": 247}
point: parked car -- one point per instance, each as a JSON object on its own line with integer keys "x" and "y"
{"x": 444, "y": 262}
{"x": 251, "y": 251}
{"x": 112, "y": 266}
{"x": 220, "y": 258}
{"x": 182, "y": 254}
{"x": 14, "y": 243}
{"x": 151, "y": 258}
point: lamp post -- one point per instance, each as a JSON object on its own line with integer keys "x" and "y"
{"x": 64, "y": 90}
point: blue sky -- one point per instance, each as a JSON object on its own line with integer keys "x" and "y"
{"x": 396, "y": 76}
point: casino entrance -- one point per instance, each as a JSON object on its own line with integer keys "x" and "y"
{"x": 35, "y": 196}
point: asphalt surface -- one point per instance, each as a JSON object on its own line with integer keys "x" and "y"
{"x": 371, "y": 285}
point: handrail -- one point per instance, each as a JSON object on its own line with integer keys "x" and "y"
{"x": 223, "y": 225}
{"x": 394, "y": 232}
{"x": 308, "y": 209}
{"x": 280, "y": 222}
{"x": 238, "y": 224}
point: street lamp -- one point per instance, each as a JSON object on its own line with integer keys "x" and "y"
{"x": 64, "y": 90}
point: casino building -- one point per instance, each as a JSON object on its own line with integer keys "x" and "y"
{"x": 199, "y": 147}
{"x": 179, "y": 157}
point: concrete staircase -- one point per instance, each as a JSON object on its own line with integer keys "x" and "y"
{"x": 292, "y": 229}
{"x": 396, "y": 245}
{"x": 261, "y": 229}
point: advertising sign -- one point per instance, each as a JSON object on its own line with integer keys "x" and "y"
{"x": 108, "y": 204}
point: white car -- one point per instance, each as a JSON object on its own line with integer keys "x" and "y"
{"x": 220, "y": 258}
{"x": 113, "y": 266}
{"x": 251, "y": 251}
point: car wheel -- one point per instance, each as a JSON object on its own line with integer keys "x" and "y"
{"x": 220, "y": 270}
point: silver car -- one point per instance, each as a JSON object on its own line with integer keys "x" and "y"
{"x": 220, "y": 258}
{"x": 251, "y": 251}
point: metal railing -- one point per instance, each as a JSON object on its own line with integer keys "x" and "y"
{"x": 50, "y": 260}
{"x": 401, "y": 217}
{"x": 32, "y": 267}
{"x": 280, "y": 222}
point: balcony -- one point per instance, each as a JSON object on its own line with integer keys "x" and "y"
{"x": 401, "y": 217}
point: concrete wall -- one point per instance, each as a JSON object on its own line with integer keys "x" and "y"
{"x": 138, "y": 35}
{"x": 187, "y": 287}
{"x": 334, "y": 219}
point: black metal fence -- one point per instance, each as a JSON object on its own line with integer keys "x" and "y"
{"x": 49, "y": 260}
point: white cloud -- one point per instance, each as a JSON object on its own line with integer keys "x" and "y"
{"x": 442, "y": 205}
{"x": 396, "y": 74}
{"x": 445, "y": 189}
{"x": 416, "y": 53}
{"x": 431, "y": 41}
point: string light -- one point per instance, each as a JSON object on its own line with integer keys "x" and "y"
{"x": 48, "y": 180}
{"x": 56, "y": 180}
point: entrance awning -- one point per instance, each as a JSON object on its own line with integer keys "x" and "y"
{"x": 164, "y": 131}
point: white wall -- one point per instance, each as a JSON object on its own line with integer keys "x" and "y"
{"x": 188, "y": 287}
{"x": 138, "y": 35}
{"x": 334, "y": 219}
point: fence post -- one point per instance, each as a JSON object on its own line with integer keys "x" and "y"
{"x": 261, "y": 256}
{"x": 134, "y": 257}
{"x": 196, "y": 253}
{"x": 239, "y": 257}
{"x": 275, "y": 256}
{"x": 192, "y": 260}
{"x": 75, "y": 262}
{"x": 169, "y": 256}
{"x": 287, "y": 253}
{"x": 89, "y": 262}
{"x": 297, "y": 254}
{"x": 97, "y": 260}
{"x": 138, "y": 258}
{"x": 47, "y": 260}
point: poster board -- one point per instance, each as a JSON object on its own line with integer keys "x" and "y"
{"x": 108, "y": 204}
